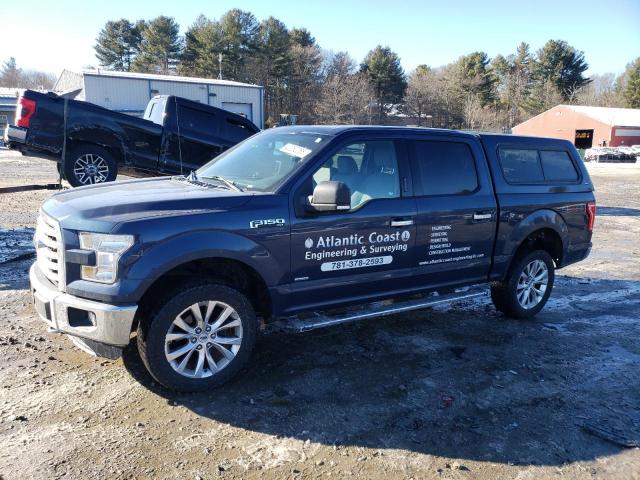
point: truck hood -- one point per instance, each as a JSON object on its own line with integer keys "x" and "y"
{"x": 100, "y": 208}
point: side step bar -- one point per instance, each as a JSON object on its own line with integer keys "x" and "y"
{"x": 297, "y": 324}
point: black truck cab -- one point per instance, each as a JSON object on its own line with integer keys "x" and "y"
{"x": 93, "y": 144}
{"x": 300, "y": 219}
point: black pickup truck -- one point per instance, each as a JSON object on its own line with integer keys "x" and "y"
{"x": 175, "y": 136}
{"x": 329, "y": 220}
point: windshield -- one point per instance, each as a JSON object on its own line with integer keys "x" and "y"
{"x": 263, "y": 161}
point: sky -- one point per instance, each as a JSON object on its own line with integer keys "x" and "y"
{"x": 54, "y": 35}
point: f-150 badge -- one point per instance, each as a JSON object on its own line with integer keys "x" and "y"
{"x": 267, "y": 222}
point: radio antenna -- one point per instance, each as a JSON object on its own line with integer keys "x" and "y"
{"x": 175, "y": 99}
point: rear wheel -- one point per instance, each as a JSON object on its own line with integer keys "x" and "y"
{"x": 88, "y": 165}
{"x": 527, "y": 288}
{"x": 199, "y": 338}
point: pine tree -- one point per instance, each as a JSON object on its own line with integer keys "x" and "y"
{"x": 561, "y": 64}
{"x": 160, "y": 47}
{"x": 117, "y": 44}
{"x": 631, "y": 91}
{"x": 238, "y": 30}
{"x": 203, "y": 44}
{"x": 273, "y": 64}
{"x": 387, "y": 76}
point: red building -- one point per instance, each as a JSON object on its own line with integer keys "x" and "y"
{"x": 586, "y": 127}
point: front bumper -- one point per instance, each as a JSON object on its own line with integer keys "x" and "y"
{"x": 98, "y": 328}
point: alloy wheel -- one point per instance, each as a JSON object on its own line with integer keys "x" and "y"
{"x": 203, "y": 339}
{"x": 532, "y": 284}
{"x": 91, "y": 168}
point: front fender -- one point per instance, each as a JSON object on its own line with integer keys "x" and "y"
{"x": 157, "y": 259}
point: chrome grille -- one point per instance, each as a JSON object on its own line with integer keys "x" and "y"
{"x": 49, "y": 250}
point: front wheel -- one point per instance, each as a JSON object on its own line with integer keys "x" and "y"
{"x": 199, "y": 338}
{"x": 527, "y": 288}
{"x": 88, "y": 165}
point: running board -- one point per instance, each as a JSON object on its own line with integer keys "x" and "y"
{"x": 314, "y": 321}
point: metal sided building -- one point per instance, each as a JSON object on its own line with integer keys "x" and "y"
{"x": 128, "y": 92}
{"x": 586, "y": 127}
{"x": 8, "y": 102}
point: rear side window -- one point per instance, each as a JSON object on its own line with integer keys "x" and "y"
{"x": 557, "y": 166}
{"x": 444, "y": 168}
{"x": 521, "y": 166}
{"x": 537, "y": 166}
{"x": 196, "y": 121}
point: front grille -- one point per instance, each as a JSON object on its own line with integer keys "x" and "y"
{"x": 49, "y": 250}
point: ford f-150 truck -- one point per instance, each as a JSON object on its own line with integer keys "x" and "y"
{"x": 307, "y": 219}
{"x": 174, "y": 136}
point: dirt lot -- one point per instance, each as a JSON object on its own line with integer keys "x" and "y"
{"x": 455, "y": 393}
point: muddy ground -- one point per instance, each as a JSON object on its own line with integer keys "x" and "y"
{"x": 455, "y": 393}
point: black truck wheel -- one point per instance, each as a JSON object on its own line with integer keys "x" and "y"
{"x": 198, "y": 338}
{"x": 527, "y": 288}
{"x": 88, "y": 165}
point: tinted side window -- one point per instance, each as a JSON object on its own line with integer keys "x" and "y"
{"x": 235, "y": 131}
{"x": 369, "y": 169}
{"x": 557, "y": 166}
{"x": 197, "y": 121}
{"x": 444, "y": 168}
{"x": 521, "y": 166}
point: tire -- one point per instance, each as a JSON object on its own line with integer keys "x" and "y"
{"x": 88, "y": 165}
{"x": 206, "y": 366}
{"x": 519, "y": 297}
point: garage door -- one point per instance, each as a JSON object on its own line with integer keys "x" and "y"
{"x": 243, "y": 109}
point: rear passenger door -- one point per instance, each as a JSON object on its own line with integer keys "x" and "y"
{"x": 456, "y": 211}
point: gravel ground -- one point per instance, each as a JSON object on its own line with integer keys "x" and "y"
{"x": 455, "y": 393}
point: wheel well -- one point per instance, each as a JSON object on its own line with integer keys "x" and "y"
{"x": 115, "y": 151}
{"x": 544, "y": 239}
{"x": 228, "y": 272}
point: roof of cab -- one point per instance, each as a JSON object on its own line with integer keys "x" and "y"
{"x": 487, "y": 137}
{"x": 339, "y": 129}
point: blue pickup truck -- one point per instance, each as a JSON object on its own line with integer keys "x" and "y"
{"x": 345, "y": 222}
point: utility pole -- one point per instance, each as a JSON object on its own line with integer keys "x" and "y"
{"x": 220, "y": 66}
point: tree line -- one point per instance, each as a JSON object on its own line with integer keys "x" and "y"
{"x": 475, "y": 91}
{"x": 12, "y": 76}
{"x": 299, "y": 77}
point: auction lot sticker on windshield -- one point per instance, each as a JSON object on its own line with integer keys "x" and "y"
{"x": 295, "y": 150}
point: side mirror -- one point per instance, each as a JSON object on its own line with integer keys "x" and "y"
{"x": 330, "y": 197}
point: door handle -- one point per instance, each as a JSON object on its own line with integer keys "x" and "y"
{"x": 482, "y": 216}
{"x": 401, "y": 223}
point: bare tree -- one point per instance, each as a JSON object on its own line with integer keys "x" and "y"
{"x": 603, "y": 91}
{"x": 304, "y": 80}
{"x": 14, "y": 77}
{"x": 37, "y": 80}
{"x": 421, "y": 98}
{"x": 345, "y": 100}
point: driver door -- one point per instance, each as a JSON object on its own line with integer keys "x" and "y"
{"x": 343, "y": 256}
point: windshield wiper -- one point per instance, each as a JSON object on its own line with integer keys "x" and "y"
{"x": 228, "y": 183}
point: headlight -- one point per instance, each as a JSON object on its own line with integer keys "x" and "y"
{"x": 109, "y": 249}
